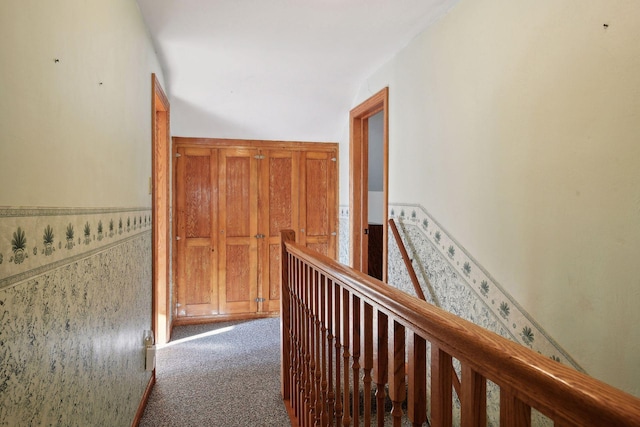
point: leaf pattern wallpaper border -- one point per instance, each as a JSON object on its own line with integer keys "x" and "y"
{"x": 36, "y": 240}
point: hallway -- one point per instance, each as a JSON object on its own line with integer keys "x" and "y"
{"x": 221, "y": 374}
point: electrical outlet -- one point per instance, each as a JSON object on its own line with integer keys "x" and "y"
{"x": 149, "y": 351}
{"x": 150, "y": 358}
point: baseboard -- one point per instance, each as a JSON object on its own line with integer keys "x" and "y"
{"x": 144, "y": 400}
{"x": 196, "y": 320}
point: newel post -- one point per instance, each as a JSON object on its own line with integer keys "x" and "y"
{"x": 285, "y": 315}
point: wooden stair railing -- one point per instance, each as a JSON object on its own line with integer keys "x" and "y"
{"x": 345, "y": 334}
{"x": 407, "y": 261}
{"x": 418, "y": 289}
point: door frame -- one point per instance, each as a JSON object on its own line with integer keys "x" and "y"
{"x": 358, "y": 180}
{"x": 159, "y": 189}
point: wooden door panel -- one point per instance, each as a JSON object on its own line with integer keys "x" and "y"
{"x": 319, "y": 246}
{"x": 274, "y": 272}
{"x": 231, "y": 205}
{"x": 270, "y": 277}
{"x": 238, "y": 181}
{"x": 318, "y": 209}
{"x": 238, "y": 194}
{"x": 196, "y": 282}
{"x": 238, "y": 274}
{"x": 198, "y": 273}
{"x": 279, "y": 191}
{"x": 197, "y": 190}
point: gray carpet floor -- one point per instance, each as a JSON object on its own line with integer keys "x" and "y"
{"x": 222, "y": 374}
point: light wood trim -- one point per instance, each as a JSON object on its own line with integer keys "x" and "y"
{"x": 179, "y": 230}
{"x": 333, "y": 206}
{"x": 254, "y": 143}
{"x": 182, "y": 321}
{"x": 526, "y": 379}
{"x": 358, "y": 197}
{"x": 161, "y": 238}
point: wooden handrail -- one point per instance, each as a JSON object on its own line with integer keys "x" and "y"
{"x": 418, "y": 288}
{"x": 335, "y": 319}
{"x": 407, "y": 260}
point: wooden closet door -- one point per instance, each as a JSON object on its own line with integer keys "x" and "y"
{"x": 238, "y": 234}
{"x": 196, "y": 224}
{"x": 278, "y": 206}
{"x": 318, "y": 208}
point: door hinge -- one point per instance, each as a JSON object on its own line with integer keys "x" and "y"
{"x": 333, "y": 159}
{"x": 177, "y": 237}
{"x": 259, "y": 156}
{"x": 178, "y": 155}
{"x": 260, "y": 299}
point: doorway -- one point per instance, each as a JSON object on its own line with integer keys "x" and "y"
{"x": 369, "y": 148}
{"x": 159, "y": 189}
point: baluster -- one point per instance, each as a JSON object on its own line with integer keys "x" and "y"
{"x": 301, "y": 337}
{"x": 295, "y": 364}
{"x": 355, "y": 355}
{"x": 473, "y": 398}
{"x": 316, "y": 345}
{"x": 322, "y": 313}
{"x": 308, "y": 390}
{"x": 285, "y": 318}
{"x": 417, "y": 408}
{"x": 330, "y": 349}
{"x": 301, "y": 350}
{"x": 337, "y": 295}
{"x": 380, "y": 362}
{"x": 513, "y": 411}
{"x": 441, "y": 387}
{"x": 311, "y": 297}
{"x": 367, "y": 324}
{"x": 299, "y": 355}
{"x": 346, "y": 414}
{"x": 397, "y": 392}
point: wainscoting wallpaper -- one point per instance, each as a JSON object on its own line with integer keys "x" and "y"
{"x": 451, "y": 279}
{"x": 343, "y": 235}
{"x": 75, "y": 300}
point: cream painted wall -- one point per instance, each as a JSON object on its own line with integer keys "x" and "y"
{"x": 67, "y": 139}
{"x": 74, "y": 311}
{"x": 517, "y": 125}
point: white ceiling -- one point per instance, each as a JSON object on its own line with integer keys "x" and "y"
{"x": 276, "y": 69}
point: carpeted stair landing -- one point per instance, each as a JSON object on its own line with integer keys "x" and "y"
{"x": 222, "y": 374}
